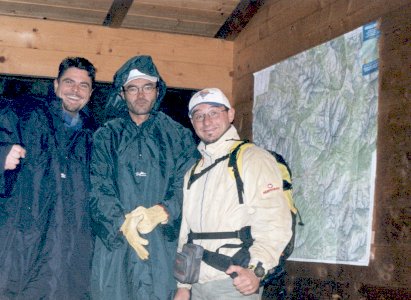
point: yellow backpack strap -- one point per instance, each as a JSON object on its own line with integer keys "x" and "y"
{"x": 289, "y": 196}
{"x": 287, "y": 184}
{"x": 285, "y": 172}
{"x": 244, "y": 146}
{"x": 233, "y": 164}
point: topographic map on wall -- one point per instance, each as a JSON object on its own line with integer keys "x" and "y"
{"x": 319, "y": 110}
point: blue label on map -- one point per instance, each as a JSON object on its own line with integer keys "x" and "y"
{"x": 370, "y": 31}
{"x": 370, "y": 67}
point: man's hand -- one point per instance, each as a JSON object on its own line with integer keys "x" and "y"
{"x": 13, "y": 158}
{"x": 129, "y": 229}
{"x": 151, "y": 217}
{"x": 246, "y": 282}
{"x": 182, "y": 294}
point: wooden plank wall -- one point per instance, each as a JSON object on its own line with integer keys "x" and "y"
{"x": 286, "y": 27}
{"x": 280, "y": 29}
{"x": 35, "y": 48}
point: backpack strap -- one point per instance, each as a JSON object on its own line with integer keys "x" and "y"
{"x": 220, "y": 261}
{"x": 194, "y": 177}
{"x": 244, "y": 234}
{"x": 232, "y": 163}
{"x": 235, "y": 162}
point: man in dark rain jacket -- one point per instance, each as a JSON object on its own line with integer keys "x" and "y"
{"x": 138, "y": 163}
{"x": 45, "y": 233}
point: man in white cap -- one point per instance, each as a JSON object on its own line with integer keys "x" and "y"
{"x": 138, "y": 163}
{"x": 213, "y": 216}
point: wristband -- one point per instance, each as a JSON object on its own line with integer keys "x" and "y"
{"x": 259, "y": 270}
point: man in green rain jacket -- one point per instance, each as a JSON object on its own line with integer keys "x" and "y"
{"x": 138, "y": 162}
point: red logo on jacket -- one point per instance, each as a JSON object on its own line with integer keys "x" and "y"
{"x": 270, "y": 188}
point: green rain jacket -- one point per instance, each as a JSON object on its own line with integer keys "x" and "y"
{"x": 137, "y": 166}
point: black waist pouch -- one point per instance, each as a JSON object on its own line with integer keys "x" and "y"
{"x": 187, "y": 263}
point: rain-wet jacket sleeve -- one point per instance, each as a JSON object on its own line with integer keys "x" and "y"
{"x": 106, "y": 210}
{"x": 8, "y": 137}
{"x": 185, "y": 158}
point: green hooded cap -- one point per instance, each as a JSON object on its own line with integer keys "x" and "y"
{"x": 116, "y": 105}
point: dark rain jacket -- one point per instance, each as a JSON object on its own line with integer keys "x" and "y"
{"x": 137, "y": 166}
{"x": 45, "y": 234}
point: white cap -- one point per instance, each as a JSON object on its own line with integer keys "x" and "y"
{"x": 135, "y": 74}
{"x": 210, "y": 96}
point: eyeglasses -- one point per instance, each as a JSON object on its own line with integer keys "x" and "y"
{"x": 134, "y": 90}
{"x": 212, "y": 114}
{"x": 83, "y": 86}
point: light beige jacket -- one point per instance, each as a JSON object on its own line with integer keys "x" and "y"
{"x": 211, "y": 205}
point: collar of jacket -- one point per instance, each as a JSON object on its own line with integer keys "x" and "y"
{"x": 222, "y": 146}
{"x": 146, "y": 124}
{"x": 84, "y": 114}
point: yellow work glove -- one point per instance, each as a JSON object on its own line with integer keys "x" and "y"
{"x": 151, "y": 217}
{"x": 129, "y": 229}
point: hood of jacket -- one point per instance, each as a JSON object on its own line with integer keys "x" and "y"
{"x": 116, "y": 105}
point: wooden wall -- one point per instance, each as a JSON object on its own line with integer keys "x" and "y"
{"x": 286, "y": 27}
{"x": 35, "y": 48}
{"x": 280, "y": 29}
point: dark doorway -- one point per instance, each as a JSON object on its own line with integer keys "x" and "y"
{"x": 174, "y": 104}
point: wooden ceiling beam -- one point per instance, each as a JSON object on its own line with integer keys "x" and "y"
{"x": 241, "y": 15}
{"x": 117, "y": 13}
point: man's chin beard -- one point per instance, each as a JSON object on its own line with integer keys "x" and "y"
{"x": 143, "y": 113}
{"x": 211, "y": 141}
{"x": 140, "y": 112}
{"x": 70, "y": 111}
{"x": 215, "y": 140}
